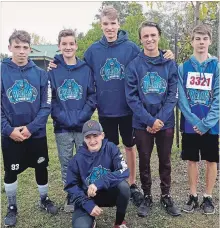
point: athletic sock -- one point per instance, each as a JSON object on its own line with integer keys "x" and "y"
{"x": 43, "y": 190}
{"x": 11, "y": 192}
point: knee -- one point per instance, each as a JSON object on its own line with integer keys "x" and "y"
{"x": 82, "y": 222}
{"x": 10, "y": 177}
{"x": 124, "y": 189}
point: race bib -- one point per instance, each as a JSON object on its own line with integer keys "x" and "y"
{"x": 194, "y": 81}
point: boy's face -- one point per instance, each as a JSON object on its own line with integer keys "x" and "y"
{"x": 68, "y": 46}
{"x": 150, "y": 38}
{"x": 110, "y": 28}
{"x": 94, "y": 142}
{"x": 20, "y": 52}
{"x": 200, "y": 43}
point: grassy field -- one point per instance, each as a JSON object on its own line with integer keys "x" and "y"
{"x": 30, "y": 215}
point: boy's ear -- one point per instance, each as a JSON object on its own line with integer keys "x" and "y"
{"x": 103, "y": 135}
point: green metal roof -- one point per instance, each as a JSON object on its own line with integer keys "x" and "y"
{"x": 44, "y": 51}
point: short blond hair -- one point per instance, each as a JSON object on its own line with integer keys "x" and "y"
{"x": 202, "y": 29}
{"x": 20, "y": 35}
{"x": 110, "y": 12}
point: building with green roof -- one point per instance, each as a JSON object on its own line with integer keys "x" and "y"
{"x": 42, "y": 54}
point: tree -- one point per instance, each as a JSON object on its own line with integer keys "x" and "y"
{"x": 3, "y": 56}
{"x": 36, "y": 39}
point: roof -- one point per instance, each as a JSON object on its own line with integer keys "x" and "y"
{"x": 47, "y": 52}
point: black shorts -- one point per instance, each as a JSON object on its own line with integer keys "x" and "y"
{"x": 194, "y": 146}
{"x": 18, "y": 156}
{"x": 112, "y": 126}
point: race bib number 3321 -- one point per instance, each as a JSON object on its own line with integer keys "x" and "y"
{"x": 202, "y": 81}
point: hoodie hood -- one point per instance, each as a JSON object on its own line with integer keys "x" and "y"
{"x": 122, "y": 37}
{"x": 154, "y": 60}
{"x": 60, "y": 60}
{"x": 9, "y": 63}
{"x": 199, "y": 66}
{"x": 84, "y": 149}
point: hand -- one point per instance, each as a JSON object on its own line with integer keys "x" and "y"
{"x": 197, "y": 130}
{"x": 25, "y": 132}
{"x": 96, "y": 211}
{"x": 16, "y": 134}
{"x": 158, "y": 124}
{"x": 92, "y": 189}
{"x": 150, "y": 130}
{"x": 51, "y": 65}
{"x": 168, "y": 54}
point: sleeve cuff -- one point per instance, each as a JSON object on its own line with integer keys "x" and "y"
{"x": 89, "y": 205}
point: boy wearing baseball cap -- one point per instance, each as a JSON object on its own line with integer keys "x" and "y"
{"x": 96, "y": 177}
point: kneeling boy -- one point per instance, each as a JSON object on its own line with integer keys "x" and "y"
{"x": 96, "y": 177}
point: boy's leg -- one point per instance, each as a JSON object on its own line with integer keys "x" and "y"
{"x": 82, "y": 219}
{"x": 11, "y": 184}
{"x": 118, "y": 196}
{"x": 78, "y": 138}
{"x": 145, "y": 143}
{"x": 190, "y": 152}
{"x": 164, "y": 142}
{"x": 65, "y": 144}
{"x": 209, "y": 152}
{"x": 193, "y": 174}
{"x": 13, "y": 155}
{"x": 127, "y": 134}
{"x": 38, "y": 159}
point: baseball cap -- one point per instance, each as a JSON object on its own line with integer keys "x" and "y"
{"x": 92, "y": 127}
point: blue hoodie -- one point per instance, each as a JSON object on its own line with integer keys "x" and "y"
{"x": 199, "y": 107}
{"x": 73, "y": 95}
{"x": 108, "y": 62}
{"x": 25, "y": 98}
{"x": 151, "y": 90}
{"x": 105, "y": 168}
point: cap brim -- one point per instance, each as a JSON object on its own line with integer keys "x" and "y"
{"x": 92, "y": 133}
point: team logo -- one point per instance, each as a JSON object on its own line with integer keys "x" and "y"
{"x": 153, "y": 83}
{"x": 70, "y": 90}
{"x": 40, "y": 160}
{"x": 112, "y": 69}
{"x": 90, "y": 124}
{"x": 22, "y": 91}
{"x": 97, "y": 173}
{"x": 202, "y": 97}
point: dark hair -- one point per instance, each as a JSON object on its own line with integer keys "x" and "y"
{"x": 66, "y": 32}
{"x": 110, "y": 12}
{"x": 148, "y": 24}
{"x": 20, "y": 35}
{"x": 202, "y": 29}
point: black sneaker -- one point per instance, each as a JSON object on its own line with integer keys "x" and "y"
{"x": 68, "y": 206}
{"x": 207, "y": 206}
{"x": 145, "y": 206}
{"x": 191, "y": 204}
{"x": 169, "y": 206}
{"x": 136, "y": 195}
{"x": 10, "y": 218}
{"x": 48, "y": 205}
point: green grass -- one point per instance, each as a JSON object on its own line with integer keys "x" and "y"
{"x": 30, "y": 216}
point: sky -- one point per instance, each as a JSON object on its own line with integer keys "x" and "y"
{"x": 45, "y": 18}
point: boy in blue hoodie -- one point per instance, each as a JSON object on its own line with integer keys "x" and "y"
{"x": 96, "y": 177}
{"x": 73, "y": 100}
{"x": 25, "y": 106}
{"x": 199, "y": 104}
{"x": 151, "y": 92}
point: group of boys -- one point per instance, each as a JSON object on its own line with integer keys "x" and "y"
{"x": 135, "y": 93}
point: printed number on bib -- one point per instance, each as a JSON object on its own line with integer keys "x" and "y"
{"x": 15, "y": 167}
{"x": 195, "y": 81}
